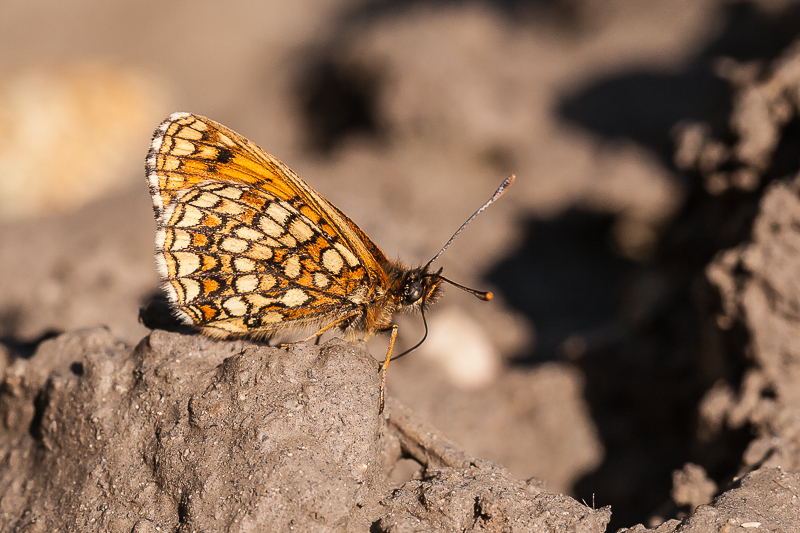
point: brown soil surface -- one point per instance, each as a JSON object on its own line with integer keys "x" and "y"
{"x": 640, "y": 363}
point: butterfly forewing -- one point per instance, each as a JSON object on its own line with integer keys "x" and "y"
{"x": 245, "y": 247}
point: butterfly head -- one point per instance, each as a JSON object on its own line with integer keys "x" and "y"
{"x": 421, "y": 288}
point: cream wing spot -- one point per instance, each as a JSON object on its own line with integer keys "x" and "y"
{"x": 234, "y": 245}
{"x": 235, "y": 306}
{"x": 248, "y": 233}
{"x": 260, "y": 252}
{"x": 190, "y": 289}
{"x": 258, "y": 301}
{"x": 229, "y": 207}
{"x": 321, "y": 280}
{"x": 351, "y": 259}
{"x": 170, "y": 163}
{"x": 291, "y": 267}
{"x": 243, "y": 264}
{"x": 226, "y": 140}
{"x": 270, "y": 227}
{"x": 300, "y": 230}
{"x": 189, "y": 133}
{"x": 180, "y": 239}
{"x": 246, "y": 283}
{"x": 267, "y": 282}
{"x": 182, "y": 147}
{"x": 332, "y": 261}
{"x": 190, "y": 217}
{"x": 198, "y": 125}
{"x": 288, "y": 241}
{"x": 280, "y": 214}
{"x": 294, "y": 298}
{"x": 206, "y": 199}
{"x": 231, "y": 193}
{"x": 187, "y": 262}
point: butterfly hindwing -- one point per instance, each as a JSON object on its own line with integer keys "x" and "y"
{"x": 244, "y": 246}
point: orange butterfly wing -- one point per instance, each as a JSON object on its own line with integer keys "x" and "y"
{"x": 244, "y": 246}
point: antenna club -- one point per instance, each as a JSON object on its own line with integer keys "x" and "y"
{"x": 487, "y": 296}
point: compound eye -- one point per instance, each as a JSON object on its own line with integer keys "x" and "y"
{"x": 413, "y": 291}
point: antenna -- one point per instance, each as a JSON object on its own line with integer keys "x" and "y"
{"x": 482, "y": 295}
{"x": 497, "y": 194}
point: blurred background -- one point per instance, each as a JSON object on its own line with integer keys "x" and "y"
{"x": 587, "y": 368}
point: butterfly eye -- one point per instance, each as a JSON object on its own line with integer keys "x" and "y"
{"x": 412, "y": 291}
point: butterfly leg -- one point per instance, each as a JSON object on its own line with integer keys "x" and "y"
{"x": 324, "y": 329}
{"x": 386, "y": 365}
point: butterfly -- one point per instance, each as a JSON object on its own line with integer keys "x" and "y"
{"x": 247, "y": 249}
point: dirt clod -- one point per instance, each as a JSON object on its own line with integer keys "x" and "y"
{"x": 182, "y": 432}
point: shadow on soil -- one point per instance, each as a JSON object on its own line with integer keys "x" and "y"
{"x": 639, "y": 330}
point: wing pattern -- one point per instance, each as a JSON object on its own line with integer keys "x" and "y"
{"x": 244, "y": 246}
